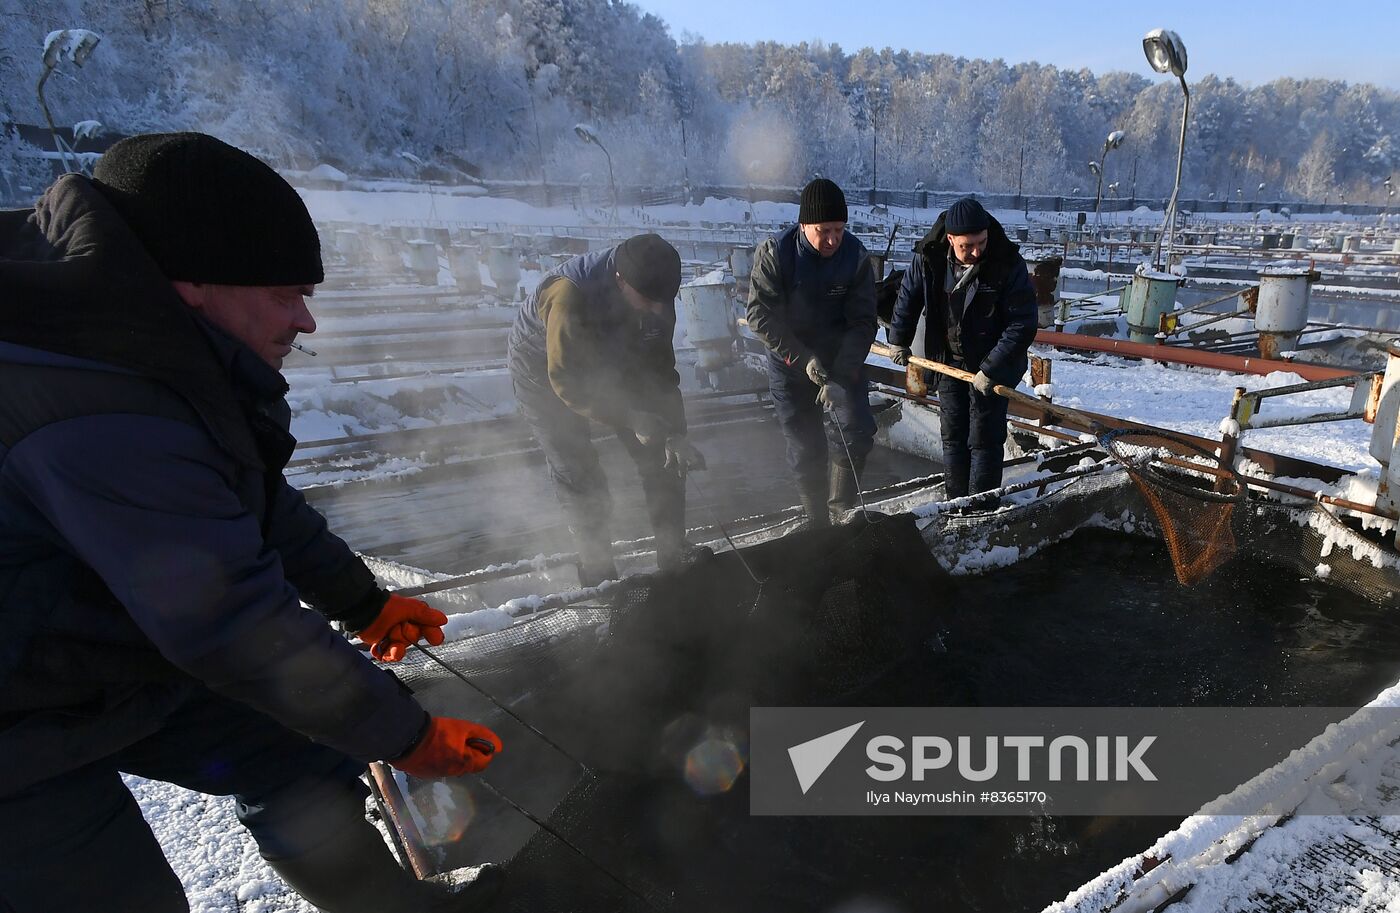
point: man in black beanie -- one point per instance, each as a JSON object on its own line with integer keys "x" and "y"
{"x": 154, "y": 561}
{"x": 812, "y": 302}
{"x": 593, "y": 344}
{"x": 969, "y": 279}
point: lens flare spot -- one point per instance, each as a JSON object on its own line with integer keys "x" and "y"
{"x": 712, "y": 766}
{"x": 445, "y": 812}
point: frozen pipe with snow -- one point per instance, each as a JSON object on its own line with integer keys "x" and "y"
{"x": 423, "y": 261}
{"x": 1384, "y": 435}
{"x": 466, "y": 269}
{"x": 1150, "y": 295}
{"x": 1282, "y": 310}
{"x": 709, "y": 323}
{"x": 505, "y": 271}
{"x": 741, "y": 262}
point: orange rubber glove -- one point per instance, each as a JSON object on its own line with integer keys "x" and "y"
{"x": 401, "y": 623}
{"x": 450, "y": 748}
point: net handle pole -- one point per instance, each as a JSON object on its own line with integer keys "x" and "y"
{"x": 1059, "y": 413}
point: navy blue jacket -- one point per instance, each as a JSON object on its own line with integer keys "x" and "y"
{"x": 803, "y": 304}
{"x": 998, "y": 324}
{"x": 612, "y": 360}
{"x": 149, "y": 545}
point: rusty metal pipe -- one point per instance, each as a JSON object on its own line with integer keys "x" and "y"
{"x": 1195, "y": 357}
{"x": 399, "y": 821}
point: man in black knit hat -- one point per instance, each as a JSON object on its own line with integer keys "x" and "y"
{"x": 593, "y": 344}
{"x": 812, "y": 302}
{"x": 154, "y": 561}
{"x": 969, "y": 279}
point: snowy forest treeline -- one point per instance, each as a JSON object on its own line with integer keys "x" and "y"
{"x": 377, "y": 86}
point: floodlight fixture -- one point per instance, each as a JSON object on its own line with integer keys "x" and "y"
{"x": 1167, "y": 54}
{"x": 1111, "y": 142}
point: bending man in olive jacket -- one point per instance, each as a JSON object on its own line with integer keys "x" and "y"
{"x": 153, "y": 559}
{"x": 970, "y": 283}
{"x": 593, "y": 344}
{"x": 812, "y": 302}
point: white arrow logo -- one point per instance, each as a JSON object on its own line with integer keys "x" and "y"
{"x": 811, "y": 759}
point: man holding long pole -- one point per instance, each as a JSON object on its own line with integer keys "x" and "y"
{"x": 969, "y": 279}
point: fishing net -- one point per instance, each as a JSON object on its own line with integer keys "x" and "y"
{"x": 643, "y": 801}
{"x": 1192, "y": 496}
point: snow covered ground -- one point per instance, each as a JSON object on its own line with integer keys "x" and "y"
{"x": 214, "y": 857}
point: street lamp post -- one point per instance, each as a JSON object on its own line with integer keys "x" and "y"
{"x": 1114, "y": 140}
{"x": 589, "y": 135}
{"x": 877, "y": 105}
{"x": 918, "y": 188}
{"x": 1166, "y": 54}
{"x": 75, "y": 45}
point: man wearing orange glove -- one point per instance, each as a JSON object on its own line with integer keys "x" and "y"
{"x": 154, "y": 562}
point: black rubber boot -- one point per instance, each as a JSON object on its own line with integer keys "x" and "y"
{"x": 813, "y": 493}
{"x": 665, "y": 497}
{"x": 843, "y": 491}
{"x": 595, "y": 557}
{"x": 355, "y": 873}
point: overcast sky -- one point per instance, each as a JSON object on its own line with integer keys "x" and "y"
{"x": 1254, "y": 42}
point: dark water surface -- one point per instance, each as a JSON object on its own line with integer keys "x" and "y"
{"x": 1098, "y": 620}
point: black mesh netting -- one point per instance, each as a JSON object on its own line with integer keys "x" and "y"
{"x": 655, "y": 704}
{"x": 684, "y": 658}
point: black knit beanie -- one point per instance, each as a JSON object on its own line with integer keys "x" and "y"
{"x": 822, "y": 201}
{"x": 649, "y": 265}
{"x": 966, "y": 217}
{"x": 208, "y": 212}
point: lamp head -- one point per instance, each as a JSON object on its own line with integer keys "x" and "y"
{"x": 76, "y": 45}
{"x": 53, "y": 47}
{"x": 586, "y": 133}
{"x": 83, "y": 43}
{"x": 1165, "y": 52}
{"x": 1115, "y": 139}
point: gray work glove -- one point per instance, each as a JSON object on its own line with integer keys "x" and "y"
{"x": 649, "y": 427}
{"x": 900, "y": 354}
{"x": 833, "y": 396}
{"x": 983, "y": 384}
{"x": 682, "y": 456}
{"x": 815, "y": 372}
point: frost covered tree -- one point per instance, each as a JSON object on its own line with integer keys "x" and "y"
{"x": 441, "y": 89}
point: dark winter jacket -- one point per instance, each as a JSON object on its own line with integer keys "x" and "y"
{"x": 998, "y": 325}
{"x": 577, "y": 339}
{"x": 149, "y": 545}
{"x": 803, "y": 304}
